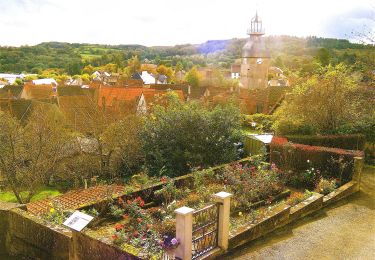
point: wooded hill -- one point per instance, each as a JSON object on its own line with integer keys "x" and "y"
{"x": 287, "y": 52}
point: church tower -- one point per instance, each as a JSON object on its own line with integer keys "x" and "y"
{"x": 255, "y": 57}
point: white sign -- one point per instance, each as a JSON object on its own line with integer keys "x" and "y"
{"x": 78, "y": 221}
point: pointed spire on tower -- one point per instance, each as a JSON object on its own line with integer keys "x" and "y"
{"x": 256, "y": 27}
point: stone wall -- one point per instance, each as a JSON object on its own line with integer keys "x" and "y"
{"x": 4, "y": 215}
{"x": 30, "y": 236}
{"x": 89, "y": 248}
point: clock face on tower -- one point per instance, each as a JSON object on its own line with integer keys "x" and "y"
{"x": 259, "y": 61}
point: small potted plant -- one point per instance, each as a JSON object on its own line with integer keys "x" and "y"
{"x": 169, "y": 244}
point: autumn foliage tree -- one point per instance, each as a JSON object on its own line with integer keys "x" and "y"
{"x": 29, "y": 153}
{"x": 323, "y": 104}
{"x": 193, "y": 77}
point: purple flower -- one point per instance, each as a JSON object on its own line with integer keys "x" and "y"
{"x": 174, "y": 241}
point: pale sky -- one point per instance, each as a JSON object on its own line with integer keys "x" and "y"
{"x": 170, "y": 22}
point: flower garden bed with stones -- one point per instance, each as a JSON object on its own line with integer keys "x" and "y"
{"x": 142, "y": 226}
{"x": 130, "y": 225}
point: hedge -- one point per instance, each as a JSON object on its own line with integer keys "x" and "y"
{"x": 349, "y": 142}
{"x": 299, "y": 157}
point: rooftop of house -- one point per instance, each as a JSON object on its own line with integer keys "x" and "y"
{"x": 236, "y": 68}
{"x": 130, "y": 95}
{"x": 44, "y": 82}
{"x": 75, "y": 91}
{"x": 43, "y": 91}
{"x": 183, "y": 87}
{"x": 12, "y": 92}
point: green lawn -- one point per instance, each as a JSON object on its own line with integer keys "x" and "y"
{"x": 42, "y": 193}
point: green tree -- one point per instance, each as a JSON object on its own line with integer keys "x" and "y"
{"x": 193, "y": 77}
{"x": 88, "y": 69}
{"x": 134, "y": 65}
{"x": 121, "y": 140}
{"x": 323, "y": 56}
{"x": 180, "y": 137}
{"x": 164, "y": 70}
{"x": 179, "y": 66}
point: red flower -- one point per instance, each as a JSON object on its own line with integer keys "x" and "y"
{"x": 163, "y": 179}
{"x": 142, "y": 203}
{"x": 148, "y": 226}
{"x": 118, "y": 227}
{"x": 129, "y": 202}
{"x": 139, "y": 220}
{"x": 114, "y": 237}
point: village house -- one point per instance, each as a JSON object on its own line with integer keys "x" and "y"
{"x": 10, "y": 79}
{"x": 235, "y": 71}
{"x": 130, "y": 100}
{"x": 39, "y": 91}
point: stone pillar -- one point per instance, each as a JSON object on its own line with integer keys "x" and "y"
{"x": 184, "y": 232}
{"x": 224, "y": 213}
{"x": 357, "y": 170}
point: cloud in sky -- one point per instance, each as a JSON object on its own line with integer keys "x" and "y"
{"x": 169, "y": 22}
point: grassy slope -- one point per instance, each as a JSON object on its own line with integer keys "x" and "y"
{"x": 42, "y": 193}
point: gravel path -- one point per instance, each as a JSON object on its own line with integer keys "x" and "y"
{"x": 345, "y": 230}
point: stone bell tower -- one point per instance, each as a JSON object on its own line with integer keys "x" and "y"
{"x": 255, "y": 57}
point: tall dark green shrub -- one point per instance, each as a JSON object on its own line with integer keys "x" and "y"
{"x": 180, "y": 137}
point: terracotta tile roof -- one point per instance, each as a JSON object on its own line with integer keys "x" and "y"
{"x": 236, "y": 68}
{"x": 77, "y": 109}
{"x": 130, "y": 95}
{"x": 120, "y": 94}
{"x": 75, "y": 199}
{"x": 38, "y": 91}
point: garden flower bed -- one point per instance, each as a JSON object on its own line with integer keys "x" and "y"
{"x": 145, "y": 226}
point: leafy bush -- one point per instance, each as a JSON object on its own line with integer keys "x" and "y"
{"x": 169, "y": 192}
{"x": 180, "y": 137}
{"x": 116, "y": 212}
{"x": 57, "y": 214}
{"x": 167, "y": 227}
{"x": 250, "y": 184}
{"x": 326, "y": 186}
{"x": 262, "y": 122}
{"x": 308, "y": 178}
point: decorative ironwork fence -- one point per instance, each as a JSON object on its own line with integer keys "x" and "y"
{"x": 205, "y": 230}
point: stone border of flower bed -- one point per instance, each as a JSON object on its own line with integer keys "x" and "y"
{"x": 261, "y": 203}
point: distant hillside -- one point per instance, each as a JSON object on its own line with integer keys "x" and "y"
{"x": 72, "y": 57}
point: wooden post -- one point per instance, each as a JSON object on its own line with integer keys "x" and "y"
{"x": 224, "y": 214}
{"x": 184, "y": 232}
{"x": 357, "y": 171}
